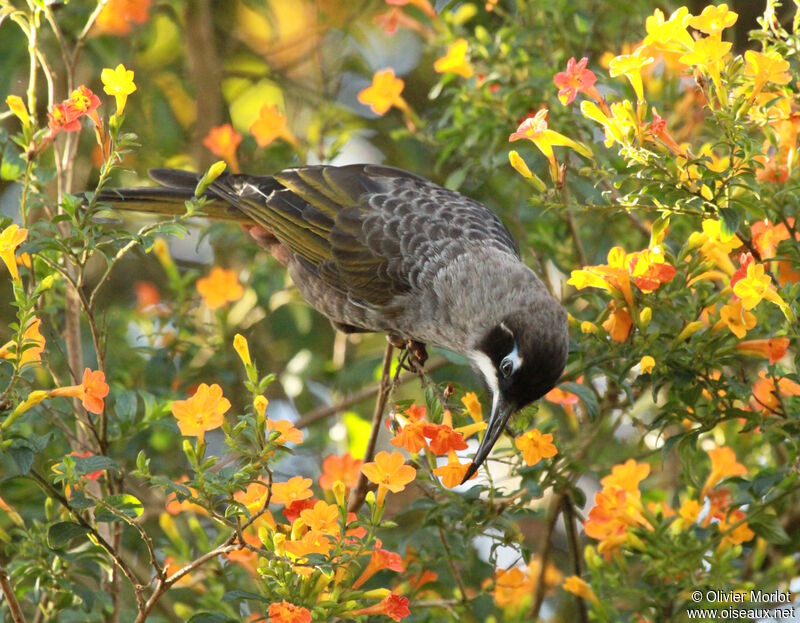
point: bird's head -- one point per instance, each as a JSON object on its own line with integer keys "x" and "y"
{"x": 520, "y": 358}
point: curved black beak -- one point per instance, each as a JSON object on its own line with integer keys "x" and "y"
{"x": 497, "y": 424}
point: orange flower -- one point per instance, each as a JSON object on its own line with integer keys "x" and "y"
{"x": 627, "y": 475}
{"x": 456, "y": 60}
{"x": 773, "y": 348}
{"x": 345, "y": 468}
{"x": 411, "y": 437}
{"x": 535, "y": 446}
{"x": 649, "y": 269}
{"x": 91, "y": 392}
{"x": 119, "y": 16}
{"x": 740, "y": 534}
{"x": 270, "y": 126}
{"x": 223, "y": 141}
{"x": 147, "y": 295}
{"x": 253, "y": 497}
{"x": 383, "y": 93}
{"x": 285, "y": 612}
{"x": 33, "y": 344}
{"x": 453, "y": 472}
{"x": 296, "y": 488}
{"x": 473, "y": 406}
{"x": 575, "y": 585}
{"x": 577, "y": 79}
{"x": 220, "y": 287}
{"x": 766, "y": 391}
{"x": 512, "y": 587}
{"x": 312, "y": 542}
{"x": 737, "y": 318}
{"x": 422, "y": 5}
{"x": 612, "y": 277}
{"x": 66, "y": 116}
{"x": 767, "y": 236}
{"x": 379, "y": 560}
{"x": 10, "y": 238}
{"x": 393, "y": 606}
{"x": 202, "y": 412}
{"x": 560, "y": 396}
{"x": 288, "y": 433}
{"x": 618, "y": 324}
{"x": 723, "y": 465}
{"x": 443, "y": 438}
{"x": 389, "y": 472}
{"x": 323, "y": 518}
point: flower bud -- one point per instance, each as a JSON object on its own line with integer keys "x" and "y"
{"x": 242, "y": 349}
{"x": 47, "y": 283}
{"x": 339, "y": 491}
{"x": 17, "y": 106}
{"x": 645, "y": 316}
{"x": 260, "y": 405}
{"x": 588, "y": 327}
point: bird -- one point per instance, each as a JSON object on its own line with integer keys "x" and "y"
{"x": 378, "y": 249}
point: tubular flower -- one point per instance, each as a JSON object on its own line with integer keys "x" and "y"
{"x": 658, "y": 128}
{"x": 766, "y": 67}
{"x": 119, "y": 16}
{"x": 576, "y": 79}
{"x": 578, "y": 587}
{"x": 647, "y": 364}
{"x": 285, "y": 612}
{"x": 389, "y": 472}
{"x": 670, "y": 35}
{"x": 714, "y": 246}
{"x": 708, "y": 53}
{"x": 443, "y": 438}
{"x": 17, "y": 106}
{"x": 723, "y": 465}
{"x": 773, "y": 348}
{"x": 740, "y": 534}
{"x": 10, "y": 238}
{"x": 119, "y": 83}
{"x": 535, "y": 130}
{"x": 627, "y": 475}
{"x": 767, "y": 236}
{"x": 223, "y": 141}
{"x": 535, "y": 446}
{"x": 650, "y": 269}
{"x": 456, "y": 60}
{"x": 736, "y": 318}
{"x": 379, "y": 560}
{"x": 512, "y": 586}
{"x": 270, "y": 126}
{"x": 219, "y": 287}
{"x": 33, "y": 344}
{"x": 618, "y": 324}
{"x": 344, "y": 468}
{"x": 288, "y": 433}
{"x": 383, "y": 93}
{"x": 91, "y": 392}
{"x": 393, "y": 606}
{"x": 202, "y": 412}
{"x": 767, "y": 392}
{"x": 714, "y": 19}
{"x": 630, "y": 66}
{"x": 757, "y": 286}
{"x": 323, "y": 517}
{"x": 452, "y": 473}
{"x": 66, "y": 116}
{"x": 618, "y": 124}
{"x": 296, "y": 488}
{"x": 473, "y": 406}
{"x": 612, "y": 277}
{"x": 411, "y": 437}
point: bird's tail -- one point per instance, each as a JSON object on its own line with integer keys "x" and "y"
{"x": 168, "y": 199}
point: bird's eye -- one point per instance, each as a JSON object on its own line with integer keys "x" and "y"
{"x": 507, "y": 367}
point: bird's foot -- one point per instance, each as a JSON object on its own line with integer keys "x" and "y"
{"x": 414, "y": 354}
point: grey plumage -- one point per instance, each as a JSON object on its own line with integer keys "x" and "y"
{"x": 379, "y": 249}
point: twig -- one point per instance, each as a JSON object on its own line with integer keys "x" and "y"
{"x": 353, "y": 399}
{"x": 360, "y": 491}
{"x": 574, "y": 549}
{"x": 11, "y": 598}
{"x": 453, "y": 568}
{"x": 544, "y": 557}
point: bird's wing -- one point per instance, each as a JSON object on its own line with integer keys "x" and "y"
{"x": 368, "y": 230}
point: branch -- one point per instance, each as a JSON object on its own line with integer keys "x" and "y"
{"x": 11, "y": 598}
{"x": 544, "y": 557}
{"x": 574, "y": 549}
{"x": 360, "y": 491}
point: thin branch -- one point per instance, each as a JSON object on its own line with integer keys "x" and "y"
{"x": 574, "y": 549}
{"x": 544, "y": 557}
{"x": 453, "y": 569}
{"x": 360, "y": 490}
{"x": 11, "y": 598}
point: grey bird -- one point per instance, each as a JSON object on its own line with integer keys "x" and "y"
{"x": 379, "y": 249}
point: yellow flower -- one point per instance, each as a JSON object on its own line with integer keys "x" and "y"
{"x": 453, "y": 472}
{"x": 119, "y": 83}
{"x": 260, "y": 405}
{"x": 242, "y": 349}
{"x": 575, "y": 585}
{"x": 271, "y": 125}
{"x": 723, "y": 465}
{"x": 630, "y": 66}
{"x": 220, "y": 287}
{"x": 669, "y": 34}
{"x": 288, "y": 433}
{"x": 535, "y": 446}
{"x": 383, "y": 93}
{"x": 753, "y": 288}
{"x": 473, "y": 406}
{"x": 647, "y": 364}
{"x": 618, "y": 126}
{"x": 455, "y": 61}
{"x": 690, "y": 511}
{"x": 323, "y": 517}
{"x": 202, "y": 412}
{"x": 766, "y": 67}
{"x": 714, "y": 246}
{"x": 714, "y": 19}
{"x": 33, "y": 343}
{"x": 736, "y": 318}
{"x": 17, "y": 106}
{"x": 535, "y": 130}
{"x": 708, "y": 53}
{"x": 10, "y": 238}
{"x": 294, "y": 489}
{"x": 627, "y": 475}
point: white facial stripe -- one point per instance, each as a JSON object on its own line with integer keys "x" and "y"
{"x": 485, "y": 365}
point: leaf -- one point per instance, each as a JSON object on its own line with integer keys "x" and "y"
{"x": 12, "y": 166}
{"x": 94, "y": 463}
{"x": 239, "y": 595}
{"x": 61, "y": 533}
{"x": 729, "y": 223}
{"x": 586, "y": 395}
{"x": 124, "y": 504}
{"x": 769, "y": 527}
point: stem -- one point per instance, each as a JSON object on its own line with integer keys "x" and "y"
{"x": 574, "y": 549}
{"x": 544, "y": 557}
{"x": 360, "y": 491}
{"x": 11, "y": 598}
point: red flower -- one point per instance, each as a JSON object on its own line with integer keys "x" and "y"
{"x": 393, "y": 606}
{"x": 443, "y": 438}
{"x": 745, "y": 259}
{"x": 577, "y": 79}
{"x": 66, "y": 116}
{"x": 381, "y": 559}
{"x": 293, "y": 509}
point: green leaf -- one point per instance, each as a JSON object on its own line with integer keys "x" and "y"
{"x": 769, "y": 527}
{"x": 94, "y": 463}
{"x": 586, "y": 395}
{"x": 13, "y": 166}
{"x": 61, "y": 533}
{"x": 729, "y": 223}
{"x": 123, "y": 504}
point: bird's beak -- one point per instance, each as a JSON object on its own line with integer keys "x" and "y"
{"x": 497, "y": 424}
